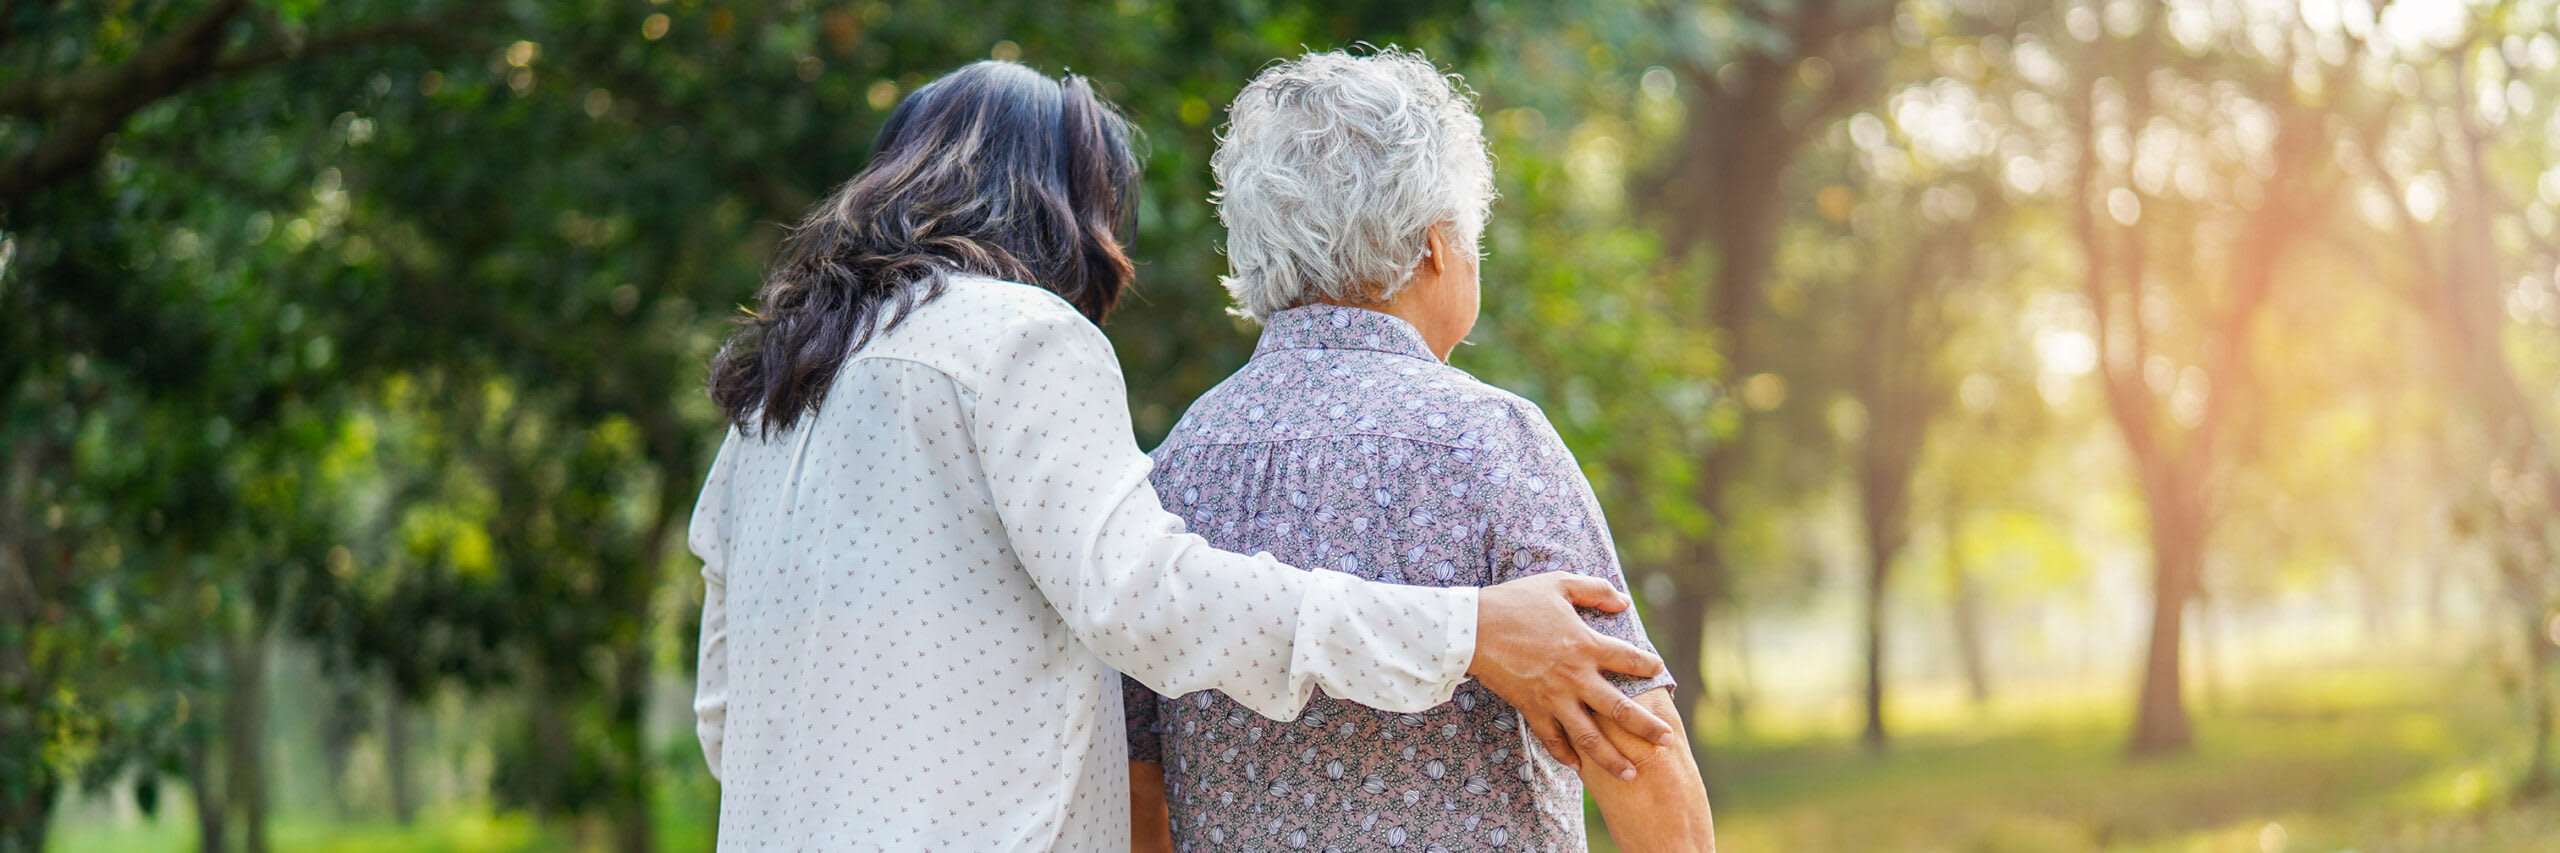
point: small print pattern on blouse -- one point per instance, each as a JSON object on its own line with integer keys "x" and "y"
{"x": 914, "y": 601}
{"x": 1343, "y": 445}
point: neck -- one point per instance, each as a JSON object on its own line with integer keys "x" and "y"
{"x": 1406, "y": 309}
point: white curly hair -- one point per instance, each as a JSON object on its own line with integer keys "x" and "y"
{"x": 1331, "y": 170}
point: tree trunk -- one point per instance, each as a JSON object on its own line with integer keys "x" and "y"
{"x": 2537, "y": 771}
{"x": 211, "y": 836}
{"x": 2525, "y": 589}
{"x": 26, "y": 805}
{"x": 1884, "y": 469}
{"x": 1884, "y": 493}
{"x": 30, "y": 815}
{"x": 552, "y": 742}
{"x": 244, "y": 741}
{"x": 1879, "y": 574}
{"x": 2160, "y": 722}
{"x": 1965, "y": 600}
{"x": 632, "y": 830}
{"x": 2213, "y": 655}
{"x": 1743, "y": 685}
{"x": 1683, "y": 647}
{"x": 395, "y": 756}
{"x": 340, "y": 727}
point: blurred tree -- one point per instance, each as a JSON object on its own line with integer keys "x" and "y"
{"x": 2480, "y": 264}
{"x": 1759, "y": 80}
{"x": 81, "y": 107}
{"x": 1580, "y": 307}
{"x": 2176, "y": 336}
{"x": 158, "y": 400}
{"x": 1893, "y": 314}
{"x": 1896, "y": 255}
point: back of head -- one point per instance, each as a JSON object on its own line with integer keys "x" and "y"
{"x": 1333, "y": 167}
{"x": 994, "y": 170}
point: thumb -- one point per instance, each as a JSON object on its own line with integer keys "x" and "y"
{"x": 1594, "y": 593}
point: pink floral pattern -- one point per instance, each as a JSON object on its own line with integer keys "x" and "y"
{"x": 1344, "y": 445}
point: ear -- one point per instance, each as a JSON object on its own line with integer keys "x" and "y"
{"x": 1436, "y": 243}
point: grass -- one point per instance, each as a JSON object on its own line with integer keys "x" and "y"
{"x": 459, "y": 832}
{"x": 680, "y": 827}
{"x": 2364, "y": 759}
{"x": 2371, "y": 758}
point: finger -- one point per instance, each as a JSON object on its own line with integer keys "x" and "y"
{"x": 1551, "y": 736}
{"x": 1627, "y": 714}
{"x": 1594, "y": 593}
{"x": 1584, "y": 732}
{"x": 1620, "y": 656}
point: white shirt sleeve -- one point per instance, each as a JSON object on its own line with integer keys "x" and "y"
{"x": 1050, "y": 422}
{"x": 708, "y": 536}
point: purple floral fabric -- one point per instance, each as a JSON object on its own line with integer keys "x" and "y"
{"x": 1345, "y": 446}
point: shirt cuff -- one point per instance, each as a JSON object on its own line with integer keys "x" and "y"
{"x": 1402, "y": 649}
{"x": 1461, "y": 657}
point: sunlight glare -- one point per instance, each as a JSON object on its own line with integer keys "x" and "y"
{"x": 2410, "y": 28}
{"x": 2070, "y": 352}
{"x": 2026, "y": 174}
{"x": 2271, "y": 838}
{"x": 1977, "y": 392}
{"x": 2191, "y": 23}
{"x": 2123, "y": 206}
{"x": 2426, "y": 196}
{"x": 2323, "y": 16}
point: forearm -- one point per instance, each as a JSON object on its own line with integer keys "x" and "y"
{"x": 1665, "y": 809}
{"x": 1150, "y": 819}
{"x": 708, "y": 536}
{"x": 1180, "y": 616}
{"x": 711, "y": 684}
{"x": 1161, "y": 605}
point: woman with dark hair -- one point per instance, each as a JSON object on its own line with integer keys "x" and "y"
{"x": 929, "y": 538}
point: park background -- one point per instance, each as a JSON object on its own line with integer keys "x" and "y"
{"x": 2072, "y": 425}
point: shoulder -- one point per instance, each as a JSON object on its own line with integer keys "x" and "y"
{"x": 980, "y": 326}
{"x": 1520, "y": 427}
{"x": 1014, "y": 301}
{"x": 1496, "y": 427}
{"x": 1298, "y": 395}
{"x": 1444, "y": 404}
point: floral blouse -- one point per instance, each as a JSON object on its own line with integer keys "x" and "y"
{"x": 1344, "y": 445}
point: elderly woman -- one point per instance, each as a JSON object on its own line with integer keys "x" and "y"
{"x": 1353, "y": 189}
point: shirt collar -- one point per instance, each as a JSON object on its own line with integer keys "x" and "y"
{"x": 1322, "y": 326}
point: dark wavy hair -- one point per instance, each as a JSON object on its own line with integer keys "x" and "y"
{"x": 994, "y": 170}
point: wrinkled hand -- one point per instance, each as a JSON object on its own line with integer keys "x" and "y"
{"x": 1536, "y": 653}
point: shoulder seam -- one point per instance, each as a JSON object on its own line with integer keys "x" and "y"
{"x": 964, "y": 385}
{"x": 1169, "y": 446}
